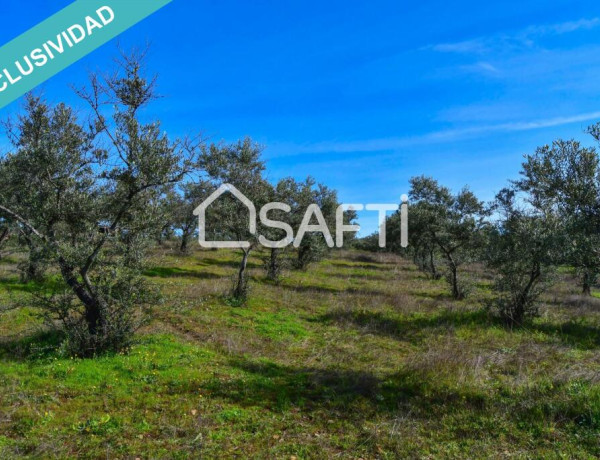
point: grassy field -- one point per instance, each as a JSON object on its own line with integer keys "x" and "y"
{"x": 361, "y": 356}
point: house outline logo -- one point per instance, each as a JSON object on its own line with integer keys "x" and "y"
{"x": 200, "y": 211}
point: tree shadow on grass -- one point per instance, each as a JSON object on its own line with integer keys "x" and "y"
{"x": 37, "y": 345}
{"x": 390, "y": 297}
{"x": 278, "y": 388}
{"x": 363, "y": 266}
{"x": 572, "y": 333}
{"x": 31, "y": 287}
{"x": 175, "y": 272}
{"x": 311, "y": 288}
{"x": 416, "y": 328}
{"x": 314, "y": 288}
{"x": 412, "y": 329}
{"x": 228, "y": 263}
{"x": 440, "y": 295}
{"x": 361, "y": 396}
{"x": 366, "y": 258}
{"x": 370, "y": 277}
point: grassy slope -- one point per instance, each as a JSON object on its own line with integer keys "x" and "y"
{"x": 357, "y": 357}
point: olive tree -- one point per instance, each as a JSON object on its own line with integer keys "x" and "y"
{"x": 313, "y": 246}
{"x": 564, "y": 179}
{"x": 5, "y": 231}
{"x": 163, "y": 207}
{"x": 283, "y": 192}
{"x": 182, "y": 209}
{"x": 300, "y": 196}
{"x": 451, "y": 222}
{"x": 421, "y": 243}
{"x": 239, "y": 164}
{"x": 522, "y": 247}
{"x": 83, "y": 192}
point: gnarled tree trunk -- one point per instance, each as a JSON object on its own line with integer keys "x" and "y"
{"x": 274, "y": 268}
{"x": 587, "y": 279}
{"x": 241, "y": 283}
{"x": 4, "y": 234}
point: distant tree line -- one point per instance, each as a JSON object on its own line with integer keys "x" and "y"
{"x": 548, "y": 218}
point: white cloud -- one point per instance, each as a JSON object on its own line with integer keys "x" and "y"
{"x": 477, "y": 46}
{"x": 562, "y": 28}
{"x": 524, "y": 38}
{"x": 480, "y": 67}
{"x": 394, "y": 143}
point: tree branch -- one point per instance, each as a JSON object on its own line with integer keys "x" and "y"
{"x": 24, "y": 222}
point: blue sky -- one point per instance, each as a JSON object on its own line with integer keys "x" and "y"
{"x": 364, "y": 95}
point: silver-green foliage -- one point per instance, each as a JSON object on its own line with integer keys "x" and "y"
{"x": 83, "y": 187}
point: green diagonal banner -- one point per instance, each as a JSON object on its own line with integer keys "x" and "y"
{"x": 63, "y": 39}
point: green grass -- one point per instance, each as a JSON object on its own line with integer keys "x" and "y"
{"x": 361, "y": 356}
